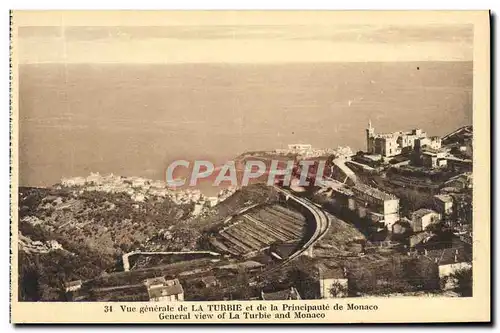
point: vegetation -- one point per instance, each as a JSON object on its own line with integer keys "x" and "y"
{"x": 462, "y": 280}
{"x": 96, "y": 228}
{"x": 397, "y": 275}
{"x": 337, "y": 289}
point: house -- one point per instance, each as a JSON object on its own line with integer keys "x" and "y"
{"x": 444, "y": 204}
{"x": 420, "y": 238}
{"x": 459, "y": 164}
{"x": 365, "y": 201}
{"x": 433, "y": 142}
{"x": 460, "y": 182}
{"x": 424, "y": 217}
{"x": 162, "y": 290}
{"x": 73, "y": 285}
{"x": 450, "y": 261}
{"x": 281, "y": 295}
{"x": 375, "y": 204}
{"x": 433, "y": 158}
{"x": 333, "y": 281}
{"x": 212, "y": 201}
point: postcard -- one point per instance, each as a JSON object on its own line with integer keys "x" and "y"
{"x": 248, "y": 167}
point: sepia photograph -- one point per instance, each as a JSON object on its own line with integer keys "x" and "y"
{"x": 166, "y": 158}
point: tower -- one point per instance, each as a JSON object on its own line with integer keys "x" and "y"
{"x": 370, "y": 132}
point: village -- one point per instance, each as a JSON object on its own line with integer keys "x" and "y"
{"x": 371, "y": 227}
{"x": 140, "y": 189}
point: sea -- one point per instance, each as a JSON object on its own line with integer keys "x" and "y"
{"x": 134, "y": 119}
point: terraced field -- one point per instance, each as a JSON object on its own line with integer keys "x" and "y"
{"x": 256, "y": 230}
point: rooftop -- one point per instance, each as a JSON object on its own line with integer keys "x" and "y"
{"x": 155, "y": 281}
{"x": 422, "y": 212}
{"x": 286, "y": 294}
{"x": 374, "y": 192}
{"x": 175, "y": 289}
{"x": 429, "y": 150}
{"x": 444, "y": 197}
{"x": 330, "y": 271}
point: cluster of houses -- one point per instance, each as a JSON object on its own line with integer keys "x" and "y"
{"x": 305, "y": 151}
{"x": 140, "y": 189}
{"x": 382, "y": 208}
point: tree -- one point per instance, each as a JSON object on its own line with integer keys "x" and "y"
{"x": 464, "y": 210}
{"x": 29, "y": 276}
{"x": 337, "y": 289}
{"x": 463, "y": 281}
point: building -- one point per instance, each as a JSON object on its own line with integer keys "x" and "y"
{"x": 73, "y": 285}
{"x": 377, "y": 205}
{"x": 419, "y": 239}
{"x": 281, "y": 295}
{"x": 391, "y": 144}
{"x": 433, "y": 158}
{"x": 424, "y": 217}
{"x": 162, "y": 290}
{"x": 433, "y": 142}
{"x": 459, "y": 164}
{"x": 299, "y": 148}
{"x": 444, "y": 204}
{"x": 366, "y": 201}
{"x": 460, "y": 182}
{"x": 75, "y": 181}
{"x": 449, "y": 261}
{"x": 333, "y": 281}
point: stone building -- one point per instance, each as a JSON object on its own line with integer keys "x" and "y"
{"x": 162, "y": 290}
{"x": 424, "y": 217}
{"x": 391, "y": 144}
{"x": 444, "y": 204}
{"x": 375, "y": 204}
{"x": 366, "y": 202}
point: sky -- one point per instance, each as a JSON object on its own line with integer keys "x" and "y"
{"x": 251, "y": 39}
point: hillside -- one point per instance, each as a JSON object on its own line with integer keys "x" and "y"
{"x": 69, "y": 233}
